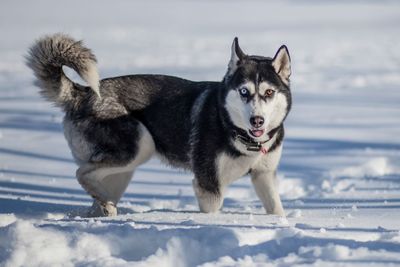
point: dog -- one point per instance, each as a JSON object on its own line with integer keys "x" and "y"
{"x": 220, "y": 131}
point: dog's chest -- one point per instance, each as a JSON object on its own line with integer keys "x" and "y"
{"x": 231, "y": 168}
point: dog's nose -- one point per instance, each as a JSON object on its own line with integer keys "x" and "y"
{"x": 257, "y": 121}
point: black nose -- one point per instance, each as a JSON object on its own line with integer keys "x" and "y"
{"x": 257, "y": 121}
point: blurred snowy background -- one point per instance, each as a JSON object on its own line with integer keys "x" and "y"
{"x": 340, "y": 171}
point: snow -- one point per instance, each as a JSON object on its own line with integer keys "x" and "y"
{"x": 339, "y": 174}
{"x": 378, "y": 166}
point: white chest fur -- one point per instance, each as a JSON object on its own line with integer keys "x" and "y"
{"x": 230, "y": 169}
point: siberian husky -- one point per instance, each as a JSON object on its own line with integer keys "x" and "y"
{"x": 220, "y": 131}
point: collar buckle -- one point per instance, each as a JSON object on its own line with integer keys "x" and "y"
{"x": 250, "y": 144}
{"x": 254, "y": 147}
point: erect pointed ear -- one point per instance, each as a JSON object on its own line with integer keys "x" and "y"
{"x": 236, "y": 56}
{"x": 281, "y": 64}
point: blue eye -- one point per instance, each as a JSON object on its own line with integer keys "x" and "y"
{"x": 244, "y": 92}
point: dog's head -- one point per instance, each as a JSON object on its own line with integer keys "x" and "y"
{"x": 258, "y": 97}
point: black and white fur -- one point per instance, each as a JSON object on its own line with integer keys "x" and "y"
{"x": 220, "y": 131}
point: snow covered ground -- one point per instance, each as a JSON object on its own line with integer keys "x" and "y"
{"x": 340, "y": 170}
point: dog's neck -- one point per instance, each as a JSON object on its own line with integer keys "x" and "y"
{"x": 251, "y": 144}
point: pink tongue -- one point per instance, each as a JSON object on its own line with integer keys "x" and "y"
{"x": 257, "y": 133}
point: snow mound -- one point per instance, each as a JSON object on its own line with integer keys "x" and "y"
{"x": 6, "y": 219}
{"x": 329, "y": 252}
{"x": 378, "y": 166}
{"x": 291, "y": 188}
{"x": 26, "y": 244}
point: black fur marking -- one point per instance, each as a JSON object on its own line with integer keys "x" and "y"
{"x": 279, "y": 139}
{"x": 116, "y": 140}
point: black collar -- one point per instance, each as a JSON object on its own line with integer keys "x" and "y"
{"x": 250, "y": 143}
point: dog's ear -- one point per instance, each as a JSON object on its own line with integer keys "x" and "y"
{"x": 281, "y": 64}
{"x": 236, "y": 56}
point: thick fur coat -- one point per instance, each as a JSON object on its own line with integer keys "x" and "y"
{"x": 220, "y": 131}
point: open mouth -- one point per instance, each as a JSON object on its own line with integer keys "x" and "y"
{"x": 256, "y": 132}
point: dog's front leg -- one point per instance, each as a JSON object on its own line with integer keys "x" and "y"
{"x": 209, "y": 201}
{"x": 265, "y": 185}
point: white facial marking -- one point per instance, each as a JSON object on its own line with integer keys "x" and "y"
{"x": 263, "y": 87}
{"x": 277, "y": 110}
{"x": 273, "y": 109}
{"x": 238, "y": 109}
{"x": 248, "y": 86}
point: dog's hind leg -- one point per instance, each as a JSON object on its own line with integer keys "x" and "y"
{"x": 106, "y": 184}
{"x": 115, "y": 185}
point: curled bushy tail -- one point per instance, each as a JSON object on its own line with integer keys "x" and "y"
{"x": 46, "y": 58}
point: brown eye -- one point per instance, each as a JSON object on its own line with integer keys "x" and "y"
{"x": 269, "y": 93}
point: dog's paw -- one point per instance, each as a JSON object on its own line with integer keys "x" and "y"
{"x": 99, "y": 209}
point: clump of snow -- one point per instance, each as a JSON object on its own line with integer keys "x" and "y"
{"x": 287, "y": 232}
{"x": 28, "y": 245}
{"x": 340, "y": 225}
{"x": 54, "y": 216}
{"x": 256, "y": 260}
{"x": 326, "y": 185}
{"x": 393, "y": 236}
{"x": 254, "y": 236}
{"x": 295, "y": 214}
{"x": 6, "y": 219}
{"x": 378, "y": 166}
{"x": 291, "y": 188}
{"x": 283, "y": 221}
{"x": 329, "y": 252}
